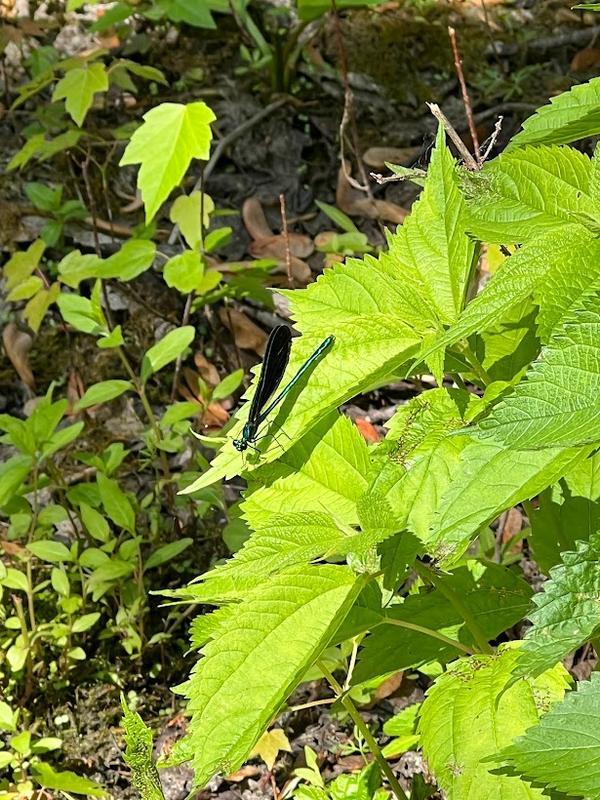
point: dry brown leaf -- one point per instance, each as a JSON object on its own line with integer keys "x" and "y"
{"x": 389, "y": 686}
{"x": 266, "y": 244}
{"x": 17, "y": 344}
{"x": 75, "y": 391}
{"x": 208, "y": 371}
{"x": 512, "y": 524}
{"x": 356, "y": 204}
{"x": 248, "y": 771}
{"x": 247, "y": 335}
{"x": 367, "y": 429}
{"x": 255, "y": 220}
{"x": 586, "y": 59}
{"x": 377, "y": 156}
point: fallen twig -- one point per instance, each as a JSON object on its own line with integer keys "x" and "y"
{"x": 465, "y": 93}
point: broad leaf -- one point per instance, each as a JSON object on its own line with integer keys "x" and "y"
{"x": 281, "y": 542}
{"x": 431, "y": 249}
{"x": 12, "y": 474}
{"x": 497, "y": 600}
{"x": 50, "y": 551}
{"x": 184, "y": 271}
{"x": 103, "y": 392}
{"x": 537, "y": 267}
{"x": 562, "y": 751}
{"x": 566, "y": 513}
{"x": 475, "y": 496}
{"x": 527, "y": 192}
{"x": 469, "y": 713}
{"x": 65, "y": 781}
{"x": 568, "y": 117}
{"x": 286, "y": 625}
{"x": 134, "y": 257}
{"x": 78, "y": 88}
{"x": 164, "y": 145}
{"x": 558, "y": 401}
{"x": 325, "y": 470}
{"x": 116, "y": 503}
{"x": 567, "y": 610}
{"x": 167, "y": 350}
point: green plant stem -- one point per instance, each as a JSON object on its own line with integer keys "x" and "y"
{"x": 411, "y": 626}
{"x": 475, "y": 365}
{"x": 362, "y": 726}
{"x": 456, "y": 602}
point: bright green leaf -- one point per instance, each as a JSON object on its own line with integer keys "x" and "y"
{"x": 78, "y": 87}
{"x": 168, "y": 349}
{"x": 184, "y": 272}
{"x": 164, "y": 145}
{"x": 50, "y": 551}
{"x": 102, "y": 392}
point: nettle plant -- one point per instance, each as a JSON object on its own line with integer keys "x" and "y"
{"x": 339, "y": 526}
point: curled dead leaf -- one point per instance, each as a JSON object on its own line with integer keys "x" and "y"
{"x": 208, "y": 371}
{"x": 247, "y": 335}
{"x": 17, "y": 344}
{"x": 377, "y": 156}
{"x": 266, "y": 244}
{"x": 356, "y": 204}
{"x": 367, "y": 429}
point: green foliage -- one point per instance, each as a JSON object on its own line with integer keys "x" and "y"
{"x": 171, "y": 135}
{"x": 138, "y": 755}
{"x": 561, "y": 751}
{"x": 462, "y": 717}
{"x": 558, "y": 401}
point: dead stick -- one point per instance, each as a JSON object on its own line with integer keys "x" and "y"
{"x": 460, "y": 145}
{"x": 465, "y": 93}
{"x": 286, "y": 236}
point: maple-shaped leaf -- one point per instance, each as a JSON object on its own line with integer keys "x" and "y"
{"x": 164, "y": 145}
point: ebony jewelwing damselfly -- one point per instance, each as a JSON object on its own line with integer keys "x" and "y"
{"x": 277, "y": 354}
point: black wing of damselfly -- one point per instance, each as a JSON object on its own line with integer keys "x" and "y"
{"x": 276, "y": 358}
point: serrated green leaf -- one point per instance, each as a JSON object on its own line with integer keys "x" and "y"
{"x": 528, "y": 192}
{"x": 377, "y": 309}
{"x": 287, "y": 624}
{"x": 282, "y": 541}
{"x": 433, "y": 251}
{"x": 567, "y": 610}
{"x": 568, "y": 117}
{"x": 326, "y": 469}
{"x": 475, "y": 496}
{"x": 78, "y": 88}
{"x": 102, "y": 392}
{"x": 164, "y": 145}
{"x": 469, "y": 712}
{"x": 570, "y": 250}
{"x": 558, "y": 401}
{"x": 139, "y": 754}
{"x": 562, "y": 751}
{"x": 497, "y": 599}
{"x": 168, "y": 349}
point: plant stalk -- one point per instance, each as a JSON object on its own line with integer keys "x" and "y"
{"x": 362, "y": 726}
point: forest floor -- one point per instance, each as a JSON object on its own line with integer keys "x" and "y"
{"x": 393, "y": 59}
